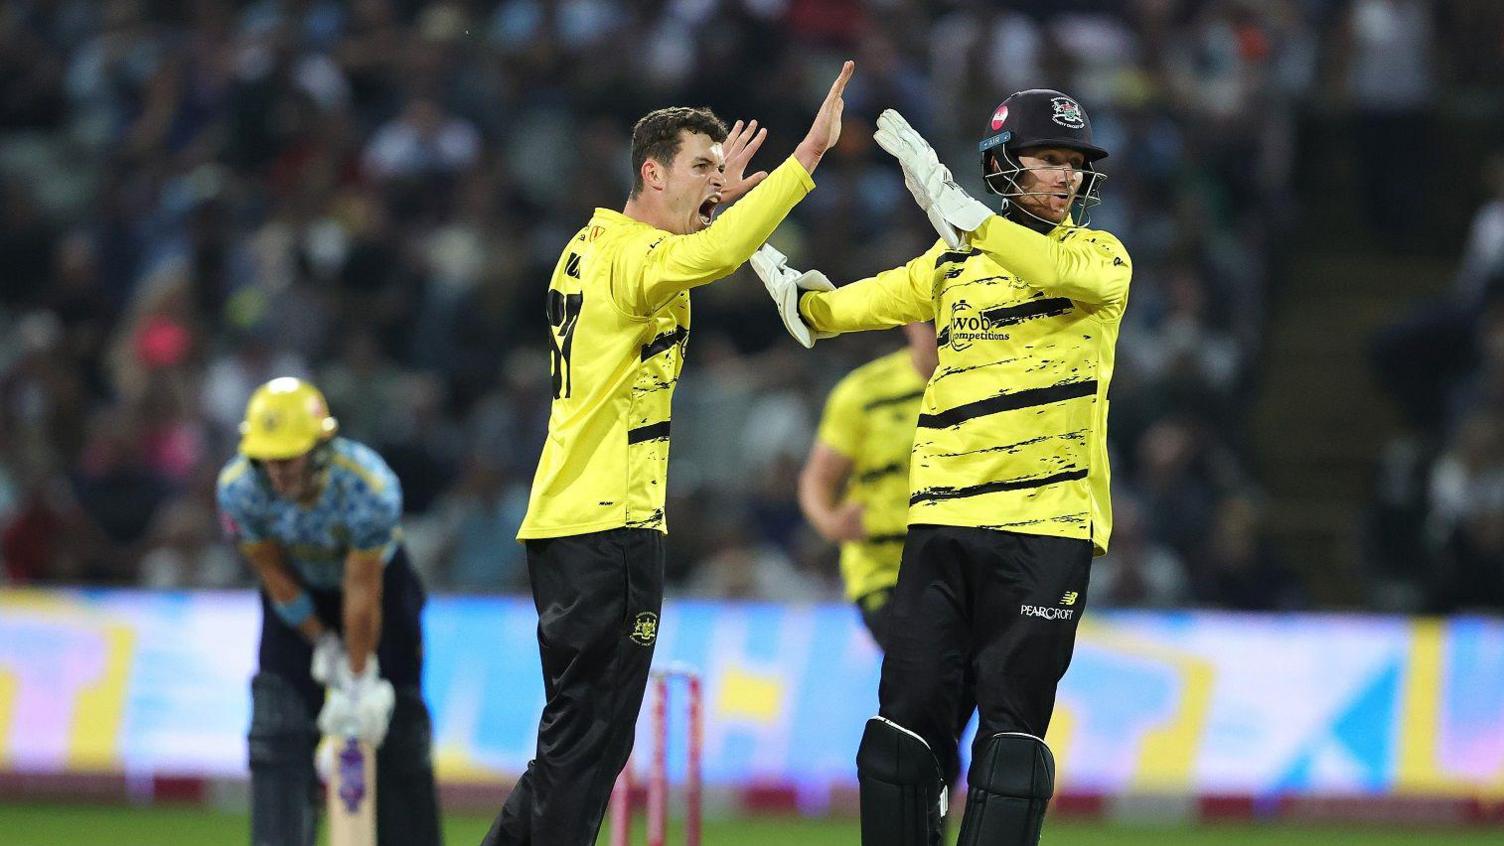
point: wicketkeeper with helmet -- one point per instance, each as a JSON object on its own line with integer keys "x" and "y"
{"x": 1009, "y": 480}
{"x": 316, "y": 516}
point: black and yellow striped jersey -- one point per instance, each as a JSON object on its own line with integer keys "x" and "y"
{"x": 618, "y": 312}
{"x": 1013, "y": 429}
{"x": 869, "y": 418}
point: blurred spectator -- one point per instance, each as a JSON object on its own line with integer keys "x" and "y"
{"x": 477, "y": 523}
{"x": 1431, "y": 528}
{"x": 740, "y": 567}
{"x": 1422, "y": 358}
{"x": 1387, "y": 47}
{"x": 1482, "y": 266}
{"x": 184, "y": 548}
{"x": 422, "y": 141}
{"x": 199, "y": 197}
{"x": 1138, "y": 571}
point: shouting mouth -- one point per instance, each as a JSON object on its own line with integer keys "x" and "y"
{"x": 708, "y": 208}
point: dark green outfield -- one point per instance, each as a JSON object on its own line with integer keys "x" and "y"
{"x": 88, "y": 825}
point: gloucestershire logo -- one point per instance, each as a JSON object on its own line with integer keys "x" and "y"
{"x": 1067, "y": 113}
{"x": 645, "y": 629}
{"x": 967, "y": 325}
{"x": 999, "y": 117}
{"x": 1069, "y": 598}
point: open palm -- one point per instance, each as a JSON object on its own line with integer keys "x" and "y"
{"x": 741, "y": 144}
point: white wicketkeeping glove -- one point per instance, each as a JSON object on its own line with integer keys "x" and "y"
{"x": 328, "y": 657}
{"x": 784, "y": 284}
{"x": 361, "y": 705}
{"x": 950, "y": 209}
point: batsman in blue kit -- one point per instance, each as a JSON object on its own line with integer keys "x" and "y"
{"x": 316, "y": 516}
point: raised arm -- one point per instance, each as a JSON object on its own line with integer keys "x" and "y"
{"x": 673, "y": 263}
{"x": 676, "y": 263}
{"x": 891, "y": 298}
{"x": 1084, "y": 265}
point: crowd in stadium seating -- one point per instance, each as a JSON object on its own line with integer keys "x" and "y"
{"x": 1435, "y": 533}
{"x": 195, "y": 197}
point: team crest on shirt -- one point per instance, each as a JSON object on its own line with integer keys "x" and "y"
{"x": 1067, "y": 113}
{"x": 645, "y": 629}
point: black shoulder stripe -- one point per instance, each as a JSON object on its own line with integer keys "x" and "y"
{"x": 934, "y": 494}
{"x": 1047, "y": 307}
{"x": 1008, "y": 402}
{"x": 954, "y": 255}
{"x": 897, "y": 537}
{"x": 663, "y": 342}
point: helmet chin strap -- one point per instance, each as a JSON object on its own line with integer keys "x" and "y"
{"x": 1011, "y": 191}
{"x": 1022, "y": 216}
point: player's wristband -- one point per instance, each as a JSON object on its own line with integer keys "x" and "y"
{"x": 296, "y": 611}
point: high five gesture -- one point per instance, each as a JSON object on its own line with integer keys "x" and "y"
{"x": 826, "y": 129}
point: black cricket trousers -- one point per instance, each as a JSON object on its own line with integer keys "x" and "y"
{"x": 598, "y": 597}
{"x": 1002, "y": 605}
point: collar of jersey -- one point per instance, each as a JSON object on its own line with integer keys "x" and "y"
{"x": 617, "y": 217}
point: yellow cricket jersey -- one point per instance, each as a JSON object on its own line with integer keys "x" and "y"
{"x": 869, "y": 418}
{"x": 618, "y": 312}
{"x": 1013, "y": 430}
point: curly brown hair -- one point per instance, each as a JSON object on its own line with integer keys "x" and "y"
{"x": 656, "y": 135}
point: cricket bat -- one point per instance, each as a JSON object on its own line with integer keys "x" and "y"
{"x": 352, "y": 793}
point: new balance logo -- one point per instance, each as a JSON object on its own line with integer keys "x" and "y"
{"x": 1069, "y": 598}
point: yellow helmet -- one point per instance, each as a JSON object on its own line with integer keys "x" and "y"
{"x": 285, "y": 418}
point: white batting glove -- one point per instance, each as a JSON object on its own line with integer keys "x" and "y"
{"x": 361, "y": 706}
{"x": 328, "y": 657}
{"x": 950, "y": 209}
{"x": 784, "y": 284}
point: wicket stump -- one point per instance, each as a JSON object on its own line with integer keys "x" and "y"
{"x": 661, "y": 682}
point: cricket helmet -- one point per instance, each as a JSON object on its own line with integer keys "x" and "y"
{"x": 1038, "y": 117}
{"x": 285, "y": 418}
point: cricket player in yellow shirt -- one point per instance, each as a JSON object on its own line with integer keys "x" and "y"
{"x": 1009, "y": 481}
{"x": 618, "y": 310}
{"x": 854, "y": 488}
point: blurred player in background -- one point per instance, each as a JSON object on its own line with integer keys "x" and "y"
{"x": 618, "y": 310}
{"x": 316, "y": 516}
{"x": 1009, "y": 485}
{"x": 854, "y": 489}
